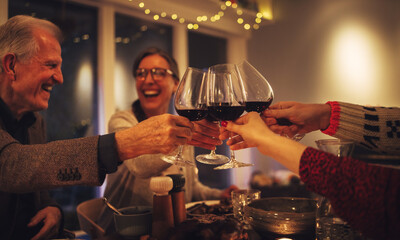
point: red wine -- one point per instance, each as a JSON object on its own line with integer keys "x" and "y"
{"x": 192, "y": 114}
{"x": 224, "y": 112}
{"x": 257, "y": 106}
{"x": 210, "y": 118}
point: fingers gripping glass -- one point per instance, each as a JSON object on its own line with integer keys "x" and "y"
{"x": 157, "y": 74}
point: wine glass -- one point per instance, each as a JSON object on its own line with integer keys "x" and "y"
{"x": 259, "y": 93}
{"x": 212, "y": 157}
{"x": 189, "y": 102}
{"x": 328, "y": 224}
{"x": 226, "y": 100}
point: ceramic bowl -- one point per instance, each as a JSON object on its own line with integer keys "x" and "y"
{"x": 134, "y": 222}
{"x": 282, "y": 217}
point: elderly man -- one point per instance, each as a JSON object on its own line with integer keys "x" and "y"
{"x": 30, "y": 65}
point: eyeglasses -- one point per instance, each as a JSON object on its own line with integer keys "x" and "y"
{"x": 157, "y": 74}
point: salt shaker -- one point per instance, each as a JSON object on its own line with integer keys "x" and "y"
{"x": 163, "y": 218}
{"x": 178, "y": 198}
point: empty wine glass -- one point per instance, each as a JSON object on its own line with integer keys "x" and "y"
{"x": 226, "y": 100}
{"x": 328, "y": 224}
{"x": 189, "y": 102}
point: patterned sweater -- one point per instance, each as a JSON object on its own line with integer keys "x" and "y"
{"x": 366, "y": 196}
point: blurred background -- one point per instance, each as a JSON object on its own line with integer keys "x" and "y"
{"x": 309, "y": 50}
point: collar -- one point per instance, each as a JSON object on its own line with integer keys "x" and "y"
{"x": 10, "y": 122}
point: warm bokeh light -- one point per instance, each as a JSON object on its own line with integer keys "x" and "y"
{"x": 355, "y": 61}
{"x": 84, "y": 84}
{"x": 265, "y": 8}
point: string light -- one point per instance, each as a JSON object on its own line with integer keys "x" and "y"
{"x": 223, "y": 6}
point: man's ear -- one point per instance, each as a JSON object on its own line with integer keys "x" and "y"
{"x": 9, "y": 61}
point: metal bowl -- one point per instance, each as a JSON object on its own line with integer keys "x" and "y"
{"x": 134, "y": 222}
{"x": 282, "y": 217}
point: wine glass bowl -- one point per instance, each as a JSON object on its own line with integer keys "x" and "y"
{"x": 258, "y": 91}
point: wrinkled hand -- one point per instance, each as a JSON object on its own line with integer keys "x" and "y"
{"x": 304, "y": 118}
{"x": 205, "y": 135}
{"x": 158, "y": 134}
{"x": 245, "y": 132}
{"x": 226, "y": 194}
{"x": 51, "y": 218}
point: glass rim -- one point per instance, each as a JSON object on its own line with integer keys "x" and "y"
{"x": 333, "y": 141}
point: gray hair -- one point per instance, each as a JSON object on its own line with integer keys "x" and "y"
{"x": 16, "y": 36}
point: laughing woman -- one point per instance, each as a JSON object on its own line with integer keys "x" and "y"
{"x": 157, "y": 79}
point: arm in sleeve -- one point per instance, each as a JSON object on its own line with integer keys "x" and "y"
{"x": 144, "y": 166}
{"x": 376, "y": 128}
{"x": 28, "y": 168}
{"x": 365, "y": 196}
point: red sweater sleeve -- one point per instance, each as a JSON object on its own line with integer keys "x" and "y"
{"x": 364, "y": 195}
{"x": 334, "y": 120}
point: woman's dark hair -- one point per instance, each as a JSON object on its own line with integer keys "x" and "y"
{"x": 156, "y": 51}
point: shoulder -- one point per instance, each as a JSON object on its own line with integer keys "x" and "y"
{"x": 122, "y": 120}
{"x": 125, "y": 114}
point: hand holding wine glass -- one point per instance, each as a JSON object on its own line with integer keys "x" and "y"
{"x": 190, "y": 102}
{"x": 259, "y": 94}
{"x": 258, "y": 91}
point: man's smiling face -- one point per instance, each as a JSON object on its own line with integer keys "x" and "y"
{"x": 35, "y": 78}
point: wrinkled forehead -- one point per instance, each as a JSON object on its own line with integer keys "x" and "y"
{"x": 47, "y": 43}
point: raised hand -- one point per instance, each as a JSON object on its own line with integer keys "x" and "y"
{"x": 205, "y": 135}
{"x": 253, "y": 132}
{"x": 291, "y": 118}
{"x": 247, "y": 131}
{"x": 159, "y": 134}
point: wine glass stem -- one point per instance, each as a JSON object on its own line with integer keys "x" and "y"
{"x": 179, "y": 154}
{"x": 212, "y": 153}
{"x": 233, "y": 157}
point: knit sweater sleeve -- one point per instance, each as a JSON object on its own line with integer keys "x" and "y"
{"x": 376, "y": 128}
{"x": 366, "y": 196}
